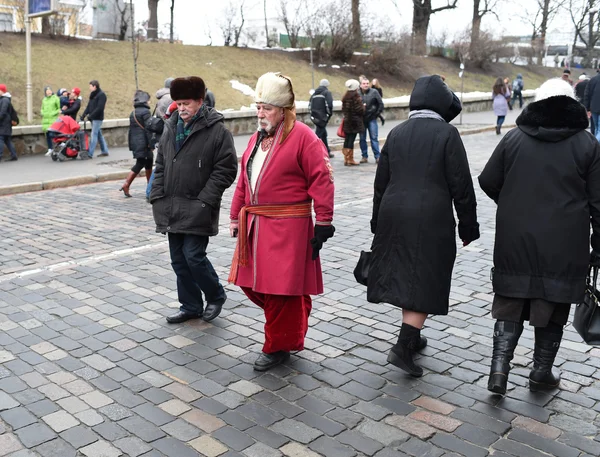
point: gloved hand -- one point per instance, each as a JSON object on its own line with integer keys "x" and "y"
{"x": 82, "y": 118}
{"x": 234, "y": 228}
{"x": 322, "y": 234}
{"x": 594, "y": 259}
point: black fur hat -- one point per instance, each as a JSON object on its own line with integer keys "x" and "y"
{"x": 189, "y": 88}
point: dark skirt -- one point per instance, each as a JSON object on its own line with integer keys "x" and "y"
{"x": 537, "y": 311}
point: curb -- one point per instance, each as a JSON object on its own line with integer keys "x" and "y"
{"x": 117, "y": 175}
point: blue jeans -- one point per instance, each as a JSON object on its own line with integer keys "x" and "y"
{"x": 500, "y": 121}
{"x": 517, "y": 95}
{"x": 7, "y": 140}
{"x": 596, "y": 120}
{"x": 97, "y": 135}
{"x": 195, "y": 274}
{"x": 149, "y": 186}
{"x": 373, "y": 130}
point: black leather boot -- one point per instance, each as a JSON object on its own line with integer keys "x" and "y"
{"x": 506, "y": 337}
{"x": 401, "y": 355}
{"x": 544, "y": 353}
{"x": 265, "y": 361}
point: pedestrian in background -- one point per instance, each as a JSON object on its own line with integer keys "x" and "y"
{"x": 196, "y": 162}
{"x": 353, "y": 111}
{"x": 139, "y": 139}
{"x": 500, "y": 103}
{"x": 163, "y": 96}
{"x": 591, "y": 101}
{"x": 320, "y": 107}
{"x": 423, "y": 170}
{"x": 210, "y": 99}
{"x": 517, "y": 89}
{"x": 6, "y": 123}
{"x": 580, "y": 88}
{"x": 509, "y": 90}
{"x": 375, "y": 85}
{"x": 50, "y": 111}
{"x": 373, "y": 108}
{"x": 74, "y": 104}
{"x": 566, "y": 76}
{"x": 94, "y": 111}
{"x": 545, "y": 178}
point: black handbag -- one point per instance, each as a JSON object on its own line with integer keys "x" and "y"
{"x": 587, "y": 313}
{"x": 361, "y": 272}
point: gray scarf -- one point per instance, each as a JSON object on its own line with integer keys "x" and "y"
{"x": 425, "y": 114}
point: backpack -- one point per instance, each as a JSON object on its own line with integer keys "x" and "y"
{"x": 14, "y": 117}
{"x": 155, "y": 124}
{"x": 319, "y": 110}
{"x": 517, "y": 85}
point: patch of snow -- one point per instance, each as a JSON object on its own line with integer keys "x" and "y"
{"x": 243, "y": 88}
{"x": 335, "y": 66}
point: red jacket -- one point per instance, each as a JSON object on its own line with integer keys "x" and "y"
{"x": 296, "y": 171}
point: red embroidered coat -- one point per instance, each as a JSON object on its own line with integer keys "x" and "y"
{"x": 296, "y": 171}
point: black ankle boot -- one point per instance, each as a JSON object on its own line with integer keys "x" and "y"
{"x": 401, "y": 355}
{"x": 506, "y": 337}
{"x": 544, "y": 353}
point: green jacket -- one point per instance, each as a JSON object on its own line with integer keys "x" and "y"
{"x": 50, "y": 111}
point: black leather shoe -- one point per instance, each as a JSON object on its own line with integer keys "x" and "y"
{"x": 211, "y": 312}
{"x": 182, "y": 316}
{"x": 267, "y": 361}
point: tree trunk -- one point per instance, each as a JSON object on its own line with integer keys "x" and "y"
{"x": 421, "y": 16}
{"x": 153, "y": 20}
{"x": 266, "y": 27}
{"x": 46, "y": 28}
{"x": 543, "y": 29}
{"x": 171, "y": 40}
{"x": 475, "y": 26}
{"x": 134, "y": 45}
{"x": 356, "y": 32}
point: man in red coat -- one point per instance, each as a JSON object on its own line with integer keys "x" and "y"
{"x": 285, "y": 173}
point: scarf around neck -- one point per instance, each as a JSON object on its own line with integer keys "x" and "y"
{"x": 425, "y": 114}
{"x": 183, "y": 130}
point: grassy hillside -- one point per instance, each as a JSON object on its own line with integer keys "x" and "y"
{"x": 68, "y": 63}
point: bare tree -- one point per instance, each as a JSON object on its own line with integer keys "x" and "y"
{"x": 295, "y": 21}
{"x": 171, "y": 40}
{"x": 266, "y": 26}
{"x": 538, "y": 17}
{"x": 480, "y": 9}
{"x": 122, "y": 18}
{"x": 584, "y": 15}
{"x": 134, "y": 46}
{"x": 336, "y": 18}
{"x": 356, "y": 30}
{"x": 153, "y": 20}
{"x": 232, "y": 23}
{"x": 422, "y": 11}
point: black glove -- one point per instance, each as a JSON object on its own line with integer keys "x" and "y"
{"x": 594, "y": 259}
{"x": 82, "y": 118}
{"x": 322, "y": 234}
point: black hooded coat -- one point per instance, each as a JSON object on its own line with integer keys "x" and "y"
{"x": 545, "y": 178}
{"x": 422, "y": 170}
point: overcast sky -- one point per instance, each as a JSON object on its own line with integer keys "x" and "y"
{"x": 194, "y": 18}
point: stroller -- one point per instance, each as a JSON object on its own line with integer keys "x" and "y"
{"x": 68, "y": 141}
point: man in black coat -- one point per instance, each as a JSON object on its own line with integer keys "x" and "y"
{"x": 545, "y": 178}
{"x": 321, "y": 107}
{"x": 74, "y": 103}
{"x": 6, "y": 123}
{"x": 196, "y": 163}
{"x": 373, "y": 108}
{"x": 591, "y": 101}
{"x": 94, "y": 111}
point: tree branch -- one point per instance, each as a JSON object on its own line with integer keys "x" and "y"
{"x": 451, "y": 5}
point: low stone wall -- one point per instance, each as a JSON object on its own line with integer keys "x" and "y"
{"x": 31, "y": 140}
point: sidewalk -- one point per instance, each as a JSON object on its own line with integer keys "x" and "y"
{"x": 37, "y": 172}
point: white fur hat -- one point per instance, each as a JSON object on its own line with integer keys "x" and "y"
{"x": 554, "y": 87}
{"x": 352, "y": 84}
{"x": 274, "y": 89}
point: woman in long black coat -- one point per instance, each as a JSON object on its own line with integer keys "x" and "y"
{"x": 423, "y": 169}
{"x": 545, "y": 178}
{"x": 140, "y": 139}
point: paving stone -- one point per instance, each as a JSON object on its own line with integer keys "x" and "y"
{"x": 447, "y": 424}
{"x": 517, "y": 449}
{"x": 174, "y": 448}
{"x": 385, "y": 434}
{"x": 7, "y": 402}
{"x": 345, "y": 417}
{"x": 132, "y": 446}
{"x": 181, "y": 430}
{"x": 481, "y": 420}
{"x": 453, "y": 443}
{"x": 419, "y": 448}
{"x": 297, "y": 450}
{"x": 331, "y": 448}
{"x": 370, "y": 410}
{"x": 414, "y": 427}
{"x": 260, "y": 414}
{"x": 60, "y": 421}
{"x": 202, "y": 420}
{"x": 234, "y": 439}
{"x": 100, "y": 449}
{"x": 314, "y": 404}
{"x": 236, "y": 420}
{"x": 476, "y": 435}
{"x": 532, "y": 426}
{"x": 42, "y": 407}
{"x": 110, "y": 431}
{"x": 18, "y": 417}
{"x": 142, "y": 428}
{"x": 210, "y": 406}
{"x": 434, "y": 405}
{"x": 79, "y": 436}
{"x": 35, "y": 434}
{"x": 394, "y": 405}
{"x": 297, "y": 431}
{"x": 359, "y": 442}
{"x": 208, "y": 446}
{"x": 289, "y": 410}
{"x": 56, "y": 448}
{"x": 262, "y": 435}
{"x": 261, "y": 450}
{"x": 89, "y": 417}
{"x": 335, "y": 396}
{"x": 549, "y": 446}
{"x": 96, "y": 399}
{"x": 9, "y": 443}
{"x": 327, "y": 426}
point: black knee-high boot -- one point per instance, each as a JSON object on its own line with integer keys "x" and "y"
{"x": 401, "y": 355}
{"x": 506, "y": 337}
{"x": 547, "y": 342}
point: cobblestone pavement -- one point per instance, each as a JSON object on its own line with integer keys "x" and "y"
{"x": 89, "y": 367}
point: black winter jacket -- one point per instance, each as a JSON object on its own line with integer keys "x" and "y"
{"x": 139, "y": 138}
{"x": 373, "y": 104}
{"x": 189, "y": 183}
{"x": 353, "y": 111}
{"x": 73, "y": 109}
{"x": 422, "y": 170}
{"x": 209, "y": 99}
{"x": 321, "y": 108}
{"x": 95, "y": 108}
{"x": 580, "y": 89}
{"x": 5, "y": 120}
{"x": 591, "y": 98}
{"x": 545, "y": 178}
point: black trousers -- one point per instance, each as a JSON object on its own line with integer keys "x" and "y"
{"x": 349, "y": 140}
{"x": 142, "y": 163}
{"x": 322, "y": 134}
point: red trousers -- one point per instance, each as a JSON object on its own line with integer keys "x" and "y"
{"x": 286, "y": 320}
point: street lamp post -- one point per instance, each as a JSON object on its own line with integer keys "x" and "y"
{"x": 29, "y": 85}
{"x": 461, "y": 75}
{"x": 590, "y": 45}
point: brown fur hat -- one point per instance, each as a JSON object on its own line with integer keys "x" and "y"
{"x": 188, "y": 88}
